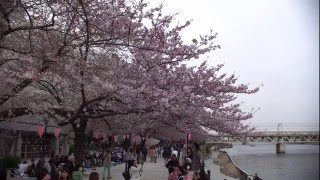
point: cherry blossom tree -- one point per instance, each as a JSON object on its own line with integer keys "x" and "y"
{"x": 114, "y": 64}
{"x": 23, "y": 24}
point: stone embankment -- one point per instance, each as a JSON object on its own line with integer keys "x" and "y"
{"x": 227, "y": 167}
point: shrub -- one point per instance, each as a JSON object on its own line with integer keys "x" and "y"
{"x": 11, "y": 161}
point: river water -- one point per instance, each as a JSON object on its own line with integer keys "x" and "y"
{"x": 300, "y": 162}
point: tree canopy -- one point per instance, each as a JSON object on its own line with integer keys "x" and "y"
{"x": 112, "y": 64}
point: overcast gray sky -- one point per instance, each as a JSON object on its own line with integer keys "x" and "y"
{"x": 270, "y": 42}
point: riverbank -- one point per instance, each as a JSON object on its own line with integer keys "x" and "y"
{"x": 300, "y": 161}
{"x": 227, "y": 166}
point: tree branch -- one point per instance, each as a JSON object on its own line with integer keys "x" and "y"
{"x": 30, "y": 27}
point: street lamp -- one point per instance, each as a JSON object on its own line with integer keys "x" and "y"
{"x": 279, "y": 126}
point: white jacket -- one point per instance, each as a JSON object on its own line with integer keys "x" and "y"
{"x": 135, "y": 172}
{"x": 22, "y": 168}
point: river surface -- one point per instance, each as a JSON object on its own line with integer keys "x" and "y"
{"x": 300, "y": 162}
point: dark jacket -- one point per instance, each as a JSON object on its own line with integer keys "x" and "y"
{"x": 3, "y": 171}
{"x": 172, "y": 163}
{"x": 31, "y": 170}
{"x": 54, "y": 173}
{"x": 69, "y": 165}
{"x": 166, "y": 152}
{"x": 256, "y": 178}
{"x": 39, "y": 167}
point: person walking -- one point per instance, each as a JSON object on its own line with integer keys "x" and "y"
{"x": 107, "y": 165}
{"x": 166, "y": 154}
{"x": 151, "y": 153}
{"x": 173, "y": 162}
{"x": 159, "y": 152}
{"x": 197, "y": 158}
{"x": 155, "y": 154}
{"x": 144, "y": 152}
{"x": 127, "y": 157}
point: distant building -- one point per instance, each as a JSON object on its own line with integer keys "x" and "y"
{"x": 19, "y": 136}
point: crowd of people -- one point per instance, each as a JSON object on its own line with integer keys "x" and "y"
{"x": 64, "y": 167}
{"x": 183, "y": 163}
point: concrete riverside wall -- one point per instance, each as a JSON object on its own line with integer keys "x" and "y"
{"x": 229, "y": 168}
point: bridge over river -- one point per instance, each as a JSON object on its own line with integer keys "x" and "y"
{"x": 274, "y": 137}
{"x": 295, "y": 137}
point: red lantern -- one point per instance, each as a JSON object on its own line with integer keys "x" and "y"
{"x": 115, "y": 137}
{"x": 135, "y": 138}
{"x": 97, "y": 135}
{"x": 104, "y": 136}
{"x": 189, "y": 137}
{"x": 56, "y": 132}
{"x": 123, "y": 137}
{"x": 143, "y": 138}
{"x": 40, "y": 131}
{"x": 128, "y": 136}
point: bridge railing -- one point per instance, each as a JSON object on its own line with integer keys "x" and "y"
{"x": 269, "y": 133}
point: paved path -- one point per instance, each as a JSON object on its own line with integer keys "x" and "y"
{"x": 151, "y": 171}
{"x": 157, "y": 171}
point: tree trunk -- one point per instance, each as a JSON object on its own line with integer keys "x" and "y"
{"x": 79, "y": 146}
{"x": 79, "y": 140}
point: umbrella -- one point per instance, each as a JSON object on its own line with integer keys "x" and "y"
{"x": 151, "y": 142}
